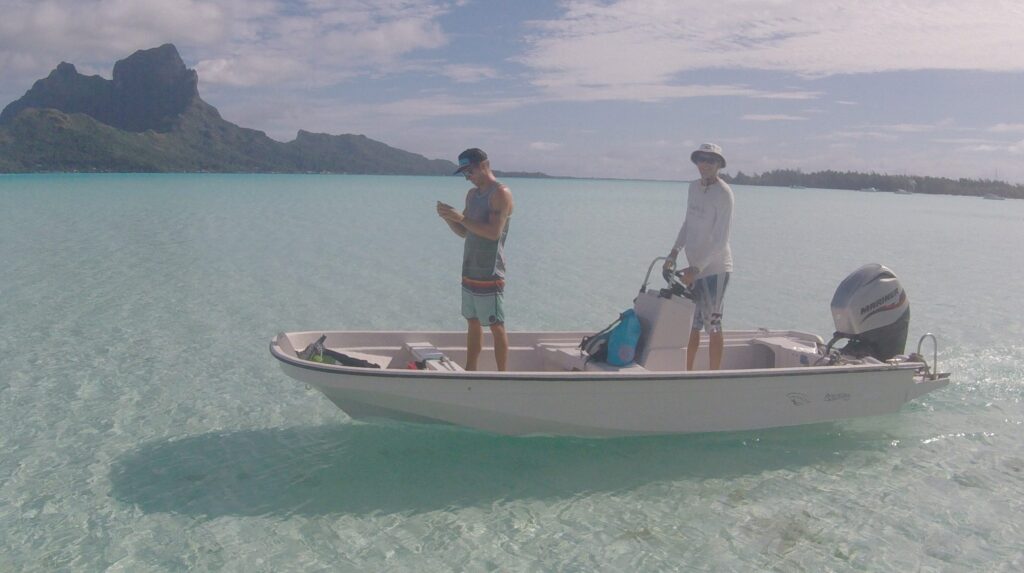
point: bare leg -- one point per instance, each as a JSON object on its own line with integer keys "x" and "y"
{"x": 691, "y": 348}
{"x": 500, "y": 346}
{"x": 715, "y": 346}
{"x": 474, "y": 340}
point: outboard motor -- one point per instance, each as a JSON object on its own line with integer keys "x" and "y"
{"x": 871, "y": 310}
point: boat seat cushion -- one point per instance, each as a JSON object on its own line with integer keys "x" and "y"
{"x": 562, "y": 357}
{"x": 431, "y": 357}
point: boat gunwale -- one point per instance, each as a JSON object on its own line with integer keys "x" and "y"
{"x": 541, "y": 375}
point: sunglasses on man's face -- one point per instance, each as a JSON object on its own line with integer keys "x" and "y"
{"x": 707, "y": 159}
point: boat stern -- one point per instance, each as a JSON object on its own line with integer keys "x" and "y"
{"x": 925, "y": 383}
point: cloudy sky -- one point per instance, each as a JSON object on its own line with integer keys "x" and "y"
{"x": 598, "y": 88}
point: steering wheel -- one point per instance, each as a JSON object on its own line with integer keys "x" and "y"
{"x": 675, "y": 284}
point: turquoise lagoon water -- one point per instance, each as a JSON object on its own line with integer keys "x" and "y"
{"x": 145, "y": 427}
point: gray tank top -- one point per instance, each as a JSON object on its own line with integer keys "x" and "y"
{"x": 483, "y": 259}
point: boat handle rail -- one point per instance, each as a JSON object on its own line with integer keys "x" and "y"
{"x": 647, "y": 279}
{"x": 931, "y": 373}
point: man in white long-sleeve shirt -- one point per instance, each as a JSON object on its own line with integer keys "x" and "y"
{"x": 705, "y": 239}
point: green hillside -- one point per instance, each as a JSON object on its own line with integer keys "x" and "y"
{"x": 150, "y": 118}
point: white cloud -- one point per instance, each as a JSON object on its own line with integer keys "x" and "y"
{"x": 249, "y": 70}
{"x": 962, "y": 141}
{"x": 772, "y": 117}
{"x": 636, "y": 48}
{"x": 1007, "y": 128}
{"x": 788, "y": 95}
{"x": 34, "y": 36}
{"x": 419, "y": 108}
{"x": 859, "y": 135}
{"x": 544, "y": 146}
{"x": 945, "y": 124}
{"x": 235, "y": 42}
{"x": 907, "y": 127}
{"x": 893, "y": 132}
{"x": 985, "y": 147}
{"x": 469, "y": 73}
{"x": 326, "y": 41}
{"x": 557, "y": 89}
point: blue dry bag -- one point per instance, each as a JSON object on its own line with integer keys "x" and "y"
{"x": 624, "y": 339}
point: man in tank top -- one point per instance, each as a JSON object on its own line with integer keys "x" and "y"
{"x": 484, "y": 225}
{"x": 705, "y": 238}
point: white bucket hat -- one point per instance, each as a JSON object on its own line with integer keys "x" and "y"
{"x": 709, "y": 149}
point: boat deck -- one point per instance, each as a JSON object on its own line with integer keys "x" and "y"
{"x": 558, "y": 352}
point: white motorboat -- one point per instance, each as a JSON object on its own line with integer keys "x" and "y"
{"x": 769, "y": 378}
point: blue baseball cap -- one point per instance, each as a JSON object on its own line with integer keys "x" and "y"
{"x": 469, "y": 157}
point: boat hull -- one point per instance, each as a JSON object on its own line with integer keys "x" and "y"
{"x": 611, "y": 404}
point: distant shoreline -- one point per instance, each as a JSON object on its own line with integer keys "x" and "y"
{"x": 901, "y": 184}
{"x": 966, "y": 188}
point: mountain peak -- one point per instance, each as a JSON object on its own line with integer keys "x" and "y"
{"x": 64, "y": 69}
{"x": 149, "y": 90}
{"x": 153, "y": 86}
{"x": 90, "y": 123}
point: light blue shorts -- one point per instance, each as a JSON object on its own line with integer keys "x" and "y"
{"x": 488, "y": 308}
{"x": 710, "y": 292}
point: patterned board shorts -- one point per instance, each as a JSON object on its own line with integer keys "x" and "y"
{"x": 710, "y": 292}
{"x": 488, "y": 308}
